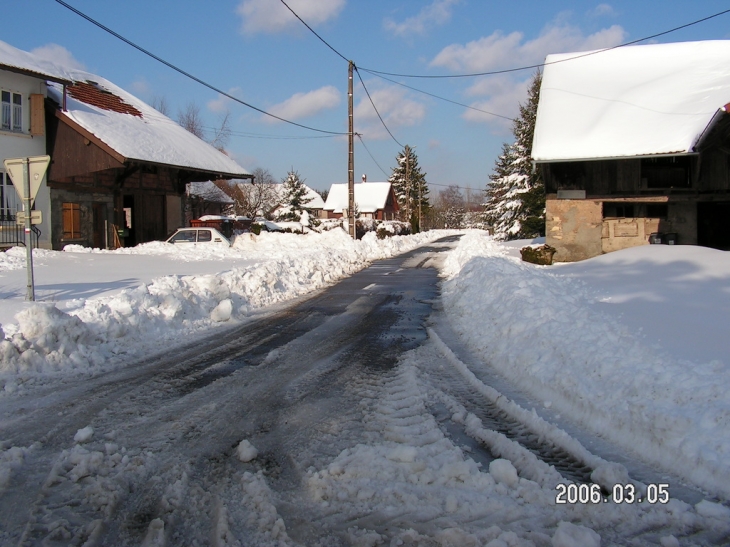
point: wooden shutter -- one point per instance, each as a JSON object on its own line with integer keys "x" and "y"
{"x": 37, "y": 115}
{"x": 71, "y": 221}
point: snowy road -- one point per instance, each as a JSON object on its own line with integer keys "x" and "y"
{"x": 347, "y": 419}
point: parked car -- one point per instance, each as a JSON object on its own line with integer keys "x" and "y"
{"x": 198, "y": 236}
{"x": 268, "y": 225}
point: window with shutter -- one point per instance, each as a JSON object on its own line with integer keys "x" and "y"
{"x": 12, "y": 111}
{"x": 71, "y": 221}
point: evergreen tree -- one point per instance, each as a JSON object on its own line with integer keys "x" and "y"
{"x": 409, "y": 183}
{"x": 515, "y": 197}
{"x": 295, "y": 197}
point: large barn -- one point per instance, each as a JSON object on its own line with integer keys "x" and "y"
{"x": 634, "y": 147}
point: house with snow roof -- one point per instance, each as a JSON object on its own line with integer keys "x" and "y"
{"x": 315, "y": 203}
{"x": 118, "y": 167}
{"x": 374, "y": 200}
{"x": 634, "y": 147}
{"x": 23, "y": 91}
{"x": 206, "y": 198}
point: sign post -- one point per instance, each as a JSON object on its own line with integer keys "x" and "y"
{"x": 27, "y": 175}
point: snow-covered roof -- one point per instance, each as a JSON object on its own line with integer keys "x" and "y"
{"x": 120, "y": 120}
{"x": 17, "y": 60}
{"x": 630, "y": 101}
{"x": 369, "y": 197}
{"x": 315, "y": 200}
{"x": 209, "y": 192}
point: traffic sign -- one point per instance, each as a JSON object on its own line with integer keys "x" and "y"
{"x": 37, "y": 167}
{"x": 35, "y": 217}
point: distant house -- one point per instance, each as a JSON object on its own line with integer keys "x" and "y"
{"x": 206, "y": 198}
{"x": 315, "y": 203}
{"x": 374, "y": 200}
{"x": 635, "y": 141}
{"x": 23, "y": 91}
{"x": 115, "y": 161}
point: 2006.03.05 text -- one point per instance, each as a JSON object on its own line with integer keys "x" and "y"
{"x": 571, "y": 493}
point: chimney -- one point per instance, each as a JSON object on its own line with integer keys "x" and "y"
{"x": 364, "y": 178}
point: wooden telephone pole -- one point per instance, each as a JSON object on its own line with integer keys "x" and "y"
{"x": 351, "y": 156}
{"x": 408, "y": 184}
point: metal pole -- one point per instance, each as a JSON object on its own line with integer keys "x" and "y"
{"x": 30, "y": 295}
{"x": 351, "y": 156}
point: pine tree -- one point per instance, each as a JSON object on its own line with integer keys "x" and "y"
{"x": 515, "y": 198}
{"x": 295, "y": 197}
{"x": 409, "y": 183}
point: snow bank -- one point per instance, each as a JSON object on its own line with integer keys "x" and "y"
{"x": 541, "y": 330}
{"x": 100, "y": 333}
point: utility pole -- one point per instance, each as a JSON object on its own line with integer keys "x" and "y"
{"x": 351, "y": 156}
{"x": 408, "y": 183}
{"x": 419, "y": 205}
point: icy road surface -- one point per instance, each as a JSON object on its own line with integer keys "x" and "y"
{"x": 351, "y": 418}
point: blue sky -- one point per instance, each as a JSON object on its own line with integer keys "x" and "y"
{"x": 257, "y": 51}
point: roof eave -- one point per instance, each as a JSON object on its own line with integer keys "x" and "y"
{"x": 34, "y": 74}
{"x": 637, "y": 156}
{"x": 211, "y": 173}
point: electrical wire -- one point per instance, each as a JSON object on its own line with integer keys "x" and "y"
{"x": 313, "y": 32}
{"x": 187, "y": 74}
{"x": 531, "y": 67}
{"x": 370, "y": 154}
{"x": 441, "y": 98}
{"x": 375, "y": 108}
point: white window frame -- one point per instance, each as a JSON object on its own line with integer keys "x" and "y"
{"x": 11, "y": 116}
{"x": 9, "y": 200}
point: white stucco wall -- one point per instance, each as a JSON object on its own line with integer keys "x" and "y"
{"x": 19, "y": 145}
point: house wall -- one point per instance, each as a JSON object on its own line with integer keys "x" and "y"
{"x": 573, "y": 227}
{"x": 96, "y": 209}
{"x": 23, "y": 145}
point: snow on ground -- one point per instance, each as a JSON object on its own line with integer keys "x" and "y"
{"x": 96, "y": 309}
{"x": 628, "y": 344}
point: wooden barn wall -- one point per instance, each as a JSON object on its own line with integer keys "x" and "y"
{"x": 710, "y": 173}
{"x": 72, "y": 154}
{"x": 713, "y": 171}
{"x": 599, "y": 177}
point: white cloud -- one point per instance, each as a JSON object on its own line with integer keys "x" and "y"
{"x": 302, "y": 105}
{"x": 602, "y": 10}
{"x": 499, "y": 51}
{"x": 503, "y": 96}
{"x": 59, "y": 55}
{"x": 140, "y": 87}
{"x": 273, "y": 16}
{"x": 221, "y": 103}
{"x": 396, "y": 109}
{"x": 437, "y": 13}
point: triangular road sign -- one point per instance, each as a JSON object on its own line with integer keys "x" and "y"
{"x": 37, "y": 167}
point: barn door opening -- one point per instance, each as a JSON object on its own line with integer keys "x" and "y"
{"x": 713, "y": 225}
{"x": 130, "y": 239}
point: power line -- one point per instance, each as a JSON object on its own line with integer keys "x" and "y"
{"x": 376, "y": 109}
{"x": 313, "y": 32}
{"x": 438, "y": 97}
{"x": 370, "y": 154}
{"x": 530, "y": 67}
{"x": 187, "y": 74}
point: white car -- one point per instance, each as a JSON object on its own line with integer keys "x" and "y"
{"x": 198, "y": 236}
